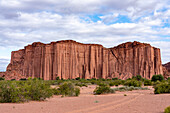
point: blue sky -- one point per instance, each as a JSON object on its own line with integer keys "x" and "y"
{"x": 107, "y": 22}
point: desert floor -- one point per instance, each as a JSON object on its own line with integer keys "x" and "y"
{"x": 139, "y": 101}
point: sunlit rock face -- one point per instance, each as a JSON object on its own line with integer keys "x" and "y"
{"x": 69, "y": 59}
{"x": 166, "y": 70}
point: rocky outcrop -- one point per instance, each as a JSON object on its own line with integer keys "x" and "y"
{"x": 166, "y": 70}
{"x": 70, "y": 59}
{"x": 2, "y": 74}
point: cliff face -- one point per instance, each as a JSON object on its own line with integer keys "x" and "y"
{"x": 166, "y": 70}
{"x": 70, "y": 59}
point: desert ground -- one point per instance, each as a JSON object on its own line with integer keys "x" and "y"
{"x": 136, "y": 101}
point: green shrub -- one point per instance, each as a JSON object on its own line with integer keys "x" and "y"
{"x": 77, "y": 91}
{"x": 57, "y": 78}
{"x": 127, "y": 88}
{"x": 37, "y": 89}
{"x": 134, "y": 83}
{"x": 2, "y": 78}
{"x": 162, "y": 88}
{"x": 168, "y": 78}
{"x": 137, "y": 77}
{"x": 156, "y": 83}
{"x": 129, "y": 79}
{"x": 167, "y": 110}
{"x": 21, "y": 91}
{"x": 101, "y": 79}
{"x": 81, "y": 84}
{"x": 115, "y": 78}
{"x": 116, "y": 82}
{"x": 10, "y": 92}
{"x": 23, "y": 79}
{"x": 157, "y": 78}
{"x": 55, "y": 91}
{"x": 93, "y": 78}
{"x": 12, "y": 79}
{"x": 103, "y": 89}
{"x": 78, "y": 78}
{"x": 147, "y": 82}
{"x": 68, "y": 89}
{"x": 111, "y": 84}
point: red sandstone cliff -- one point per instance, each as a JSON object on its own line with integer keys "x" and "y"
{"x": 166, "y": 70}
{"x": 70, "y": 59}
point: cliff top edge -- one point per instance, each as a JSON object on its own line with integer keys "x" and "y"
{"x": 123, "y": 45}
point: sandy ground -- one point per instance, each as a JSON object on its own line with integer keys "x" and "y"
{"x": 141, "y": 101}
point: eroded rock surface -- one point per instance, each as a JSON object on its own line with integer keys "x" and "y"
{"x": 166, "y": 70}
{"x": 70, "y": 59}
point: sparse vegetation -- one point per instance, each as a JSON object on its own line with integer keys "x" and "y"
{"x": 137, "y": 77}
{"x": 163, "y": 87}
{"x": 23, "y": 79}
{"x": 168, "y": 78}
{"x": 81, "y": 84}
{"x": 167, "y": 110}
{"x": 134, "y": 83}
{"x": 103, "y": 89}
{"x": 57, "y": 78}
{"x": 21, "y": 91}
{"x": 127, "y": 88}
{"x": 147, "y": 82}
{"x": 38, "y": 89}
{"x": 68, "y": 89}
{"x": 1, "y": 78}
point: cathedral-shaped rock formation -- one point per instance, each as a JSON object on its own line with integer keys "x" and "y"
{"x": 69, "y": 59}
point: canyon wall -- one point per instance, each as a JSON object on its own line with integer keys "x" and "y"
{"x": 69, "y": 59}
{"x": 166, "y": 70}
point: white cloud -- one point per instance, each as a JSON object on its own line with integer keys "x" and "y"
{"x": 3, "y": 63}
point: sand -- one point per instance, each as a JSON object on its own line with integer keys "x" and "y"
{"x": 138, "y": 101}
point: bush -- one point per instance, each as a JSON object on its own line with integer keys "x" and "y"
{"x": 111, "y": 84}
{"x": 115, "y": 78}
{"x": 137, "y": 77}
{"x": 68, "y": 89}
{"x": 157, "y": 78}
{"x": 168, "y": 78}
{"x": 21, "y": 91}
{"x": 116, "y": 82}
{"x": 81, "y": 84}
{"x": 23, "y": 79}
{"x": 147, "y": 82}
{"x": 12, "y": 79}
{"x": 78, "y": 78}
{"x": 127, "y": 88}
{"x": 134, "y": 83}
{"x": 162, "y": 88}
{"x": 167, "y": 110}
{"x": 103, "y": 89}
{"x": 10, "y": 93}
{"x": 1, "y": 78}
{"x": 94, "y": 79}
{"x": 37, "y": 89}
{"x": 57, "y": 78}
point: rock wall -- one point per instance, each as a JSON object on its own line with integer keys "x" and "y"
{"x": 166, "y": 70}
{"x": 70, "y": 59}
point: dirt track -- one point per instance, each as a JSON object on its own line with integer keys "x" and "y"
{"x": 134, "y": 102}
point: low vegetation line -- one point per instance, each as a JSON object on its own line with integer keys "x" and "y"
{"x": 12, "y": 91}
